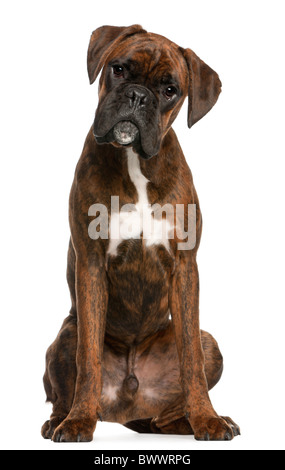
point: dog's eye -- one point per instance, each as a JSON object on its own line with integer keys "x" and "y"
{"x": 118, "y": 70}
{"x": 170, "y": 91}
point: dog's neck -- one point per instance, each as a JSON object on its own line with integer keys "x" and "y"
{"x": 161, "y": 171}
{"x": 156, "y": 169}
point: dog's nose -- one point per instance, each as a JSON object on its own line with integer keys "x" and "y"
{"x": 138, "y": 97}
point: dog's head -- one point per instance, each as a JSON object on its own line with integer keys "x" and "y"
{"x": 144, "y": 81}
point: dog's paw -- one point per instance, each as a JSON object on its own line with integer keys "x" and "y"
{"x": 215, "y": 429}
{"x": 235, "y": 428}
{"x": 74, "y": 430}
{"x": 49, "y": 427}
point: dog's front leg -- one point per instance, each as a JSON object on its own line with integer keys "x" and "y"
{"x": 205, "y": 422}
{"x": 91, "y": 302}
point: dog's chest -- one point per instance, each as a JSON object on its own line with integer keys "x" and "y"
{"x": 138, "y": 220}
{"x": 139, "y": 264}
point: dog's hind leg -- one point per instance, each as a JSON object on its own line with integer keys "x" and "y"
{"x": 170, "y": 421}
{"x": 158, "y": 372}
{"x": 174, "y": 425}
{"x": 60, "y": 375}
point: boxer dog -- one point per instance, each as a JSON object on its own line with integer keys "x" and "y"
{"x": 131, "y": 350}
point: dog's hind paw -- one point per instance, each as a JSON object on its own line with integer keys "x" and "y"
{"x": 215, "y": 429}
{"x": 234, "y": 427}
{"x": 49, "y": 427}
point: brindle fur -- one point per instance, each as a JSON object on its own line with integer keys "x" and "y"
{"x": 131, "y": 350}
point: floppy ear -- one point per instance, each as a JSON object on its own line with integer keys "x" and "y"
{"x": 204, "y": 87}
{"x": 101, "y": 42}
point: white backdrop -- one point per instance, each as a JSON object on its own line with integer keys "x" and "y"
{"x": 236, "y": 154}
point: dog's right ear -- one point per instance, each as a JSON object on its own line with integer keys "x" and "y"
{"x": 101, "y": 42}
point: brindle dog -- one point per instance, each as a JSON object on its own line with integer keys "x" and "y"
{"x": 131, "y": 350}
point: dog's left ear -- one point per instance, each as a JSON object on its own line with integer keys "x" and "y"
{"x": 204, "y": 87}
{"x": 101, "y": 42}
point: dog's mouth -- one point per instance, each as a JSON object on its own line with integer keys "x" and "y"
{"x": 125, "y": 132}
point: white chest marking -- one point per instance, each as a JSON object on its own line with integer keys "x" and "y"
{"x": 138, "y": 218}
{"x": 136, "y": 176}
